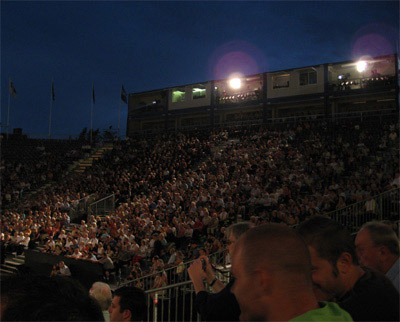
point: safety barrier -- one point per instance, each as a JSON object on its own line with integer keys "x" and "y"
{"x": 102, "y": 206}
{"x": 79, "y": 208}
{"x": 176, "y": 302}
{"x": 172, "y": 303}
{"x": 384, "y": 206}
{"x": 173, "y": 277}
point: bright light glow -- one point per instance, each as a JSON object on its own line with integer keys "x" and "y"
{"x": 235, "y": 83}
{"x": 361, "y": 66}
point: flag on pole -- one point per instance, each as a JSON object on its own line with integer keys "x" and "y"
{"x": 52, "y": 91}
{"x": 13, "y": 92}
{"x": 123, "y": 95}
{"x": 93, "y": 98}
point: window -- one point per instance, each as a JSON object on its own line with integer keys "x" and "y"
{"x": 178, "y": 95}
{"x": 199, "y": 91}
{"x": 307, "y": 78}
{"x": 280, "y": 81}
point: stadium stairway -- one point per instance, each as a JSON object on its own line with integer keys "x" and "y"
{"x": 11, "y": 265}
{"x": 85, "y": 163}
{"x": 13, "y": 262}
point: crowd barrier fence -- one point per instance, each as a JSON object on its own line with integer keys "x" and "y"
{"x": 102, "y": 206}
{"x": 384, "y": 206}
{"x": 217, "y": 259}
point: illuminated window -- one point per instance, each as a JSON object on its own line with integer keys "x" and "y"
{"x": 280, "y": 81}
{"x": 308, "y": 78}
{"x": 178, "y": 95}
{"x": 199, "y": 91}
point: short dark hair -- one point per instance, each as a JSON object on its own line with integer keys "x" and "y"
{"x": 276, "y": 247}
{"x": 329, "y": 238}
{"x": 236, "y": 230}
{"x": 42, "y": 298}
{"x": 383, "y": 235}
{"x": 133, "y": 299}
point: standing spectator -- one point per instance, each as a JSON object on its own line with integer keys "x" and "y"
{"x": 272, "y": 272}
{"x": 128, "y": 304}
{"x": 367, "y": 295}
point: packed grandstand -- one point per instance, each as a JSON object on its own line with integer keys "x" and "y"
{"x": 186, "y": 187}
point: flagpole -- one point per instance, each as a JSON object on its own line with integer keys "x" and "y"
{"x": 51, "y": 106}
{"x": 8, "y": 113}
{"x": 91, "y": 117}
{"x": 119, "y": 116}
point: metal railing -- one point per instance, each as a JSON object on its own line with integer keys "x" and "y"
{"x": 175, "y": 302}
{"x": 172, "y": 303}
{"x": 384, "y": 206}
{"x": 173, "y": 277}
{"x": 102, "y": 206}
{"x": 80, "y": 207}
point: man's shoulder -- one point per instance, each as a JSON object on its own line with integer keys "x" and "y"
{"x": 373, "y": 283}
{"x": 373, "y": 298}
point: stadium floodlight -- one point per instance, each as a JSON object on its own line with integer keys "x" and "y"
{"x": 235, "y": 83}
{"x": 361, "y": 66}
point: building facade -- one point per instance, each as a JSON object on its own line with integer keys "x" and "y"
{"x": 325, "y": 91}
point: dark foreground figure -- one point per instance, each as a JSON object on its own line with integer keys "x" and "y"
{"x": 40, "y": 298}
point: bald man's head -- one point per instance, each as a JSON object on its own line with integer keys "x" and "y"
{"x": 271, "y": 269}
{"x": 276, "y": 248}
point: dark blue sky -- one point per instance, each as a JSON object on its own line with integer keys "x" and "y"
{"x": 150, "y": 45}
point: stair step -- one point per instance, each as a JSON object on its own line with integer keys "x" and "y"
{"x": 6, "y": 271}
{"x": 9, "y": 268}
{"x": 15, "y": 261}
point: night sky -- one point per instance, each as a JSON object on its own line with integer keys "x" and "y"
{"x": 151, "y": 45}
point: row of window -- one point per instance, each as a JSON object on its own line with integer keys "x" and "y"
{"x": 179, "y": 95}
{"x": 305, "y": 78}
{"x": 281, "y": 81}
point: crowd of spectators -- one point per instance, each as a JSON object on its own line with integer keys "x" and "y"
{"x": 26, "y": 164}
{"x": 180, "y": 190}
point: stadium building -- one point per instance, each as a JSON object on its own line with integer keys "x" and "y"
{"x": 326, "y": 91}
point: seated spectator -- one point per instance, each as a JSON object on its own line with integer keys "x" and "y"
{"x": 367, "y": 295}
{"x": 55, "y": 270}
{"x": 377, "y": 247}
{"x": 23, "y": 243}
{"x": 172, "y": 257}
{"x": 180, "y": 268}
{"x": 39, "y": 298}
{"x": 136, "y": 281}
{"x": 108, "y": 266}
{"x": 64, "y": 270}
{"x": 160, "y": 280}
{"x": 272, "y": 278}
{"x": 128, "y": 304}
{"x": 101, "y": 292}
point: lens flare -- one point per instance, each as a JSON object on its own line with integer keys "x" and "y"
{"x": 235, "y": 83}
{"x": 361, "y": 66}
